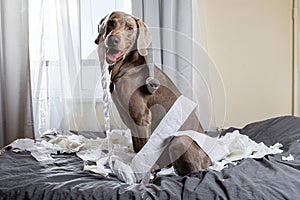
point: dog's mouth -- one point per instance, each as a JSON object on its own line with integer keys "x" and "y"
{"x": 113, "y": 55}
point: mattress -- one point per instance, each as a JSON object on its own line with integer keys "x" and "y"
{"x": 271, "y": 177}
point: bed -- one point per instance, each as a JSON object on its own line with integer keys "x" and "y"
{"x": 271, "y": 177}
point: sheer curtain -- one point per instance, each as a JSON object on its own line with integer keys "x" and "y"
{"x": 15, "y": 95}
{"x": 64, "y": 64}
{"x": 178, "y": 35}
{"x": 65, "y": 70}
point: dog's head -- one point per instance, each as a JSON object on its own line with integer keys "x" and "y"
{"x": 120, "y": 33}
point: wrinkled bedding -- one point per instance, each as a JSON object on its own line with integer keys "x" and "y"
{"x": 271, "y": 177}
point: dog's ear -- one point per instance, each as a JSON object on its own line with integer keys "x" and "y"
{"x": 100, "y": 39}
{"x": 101, "y": 30}
{"x": 143, "y": 39}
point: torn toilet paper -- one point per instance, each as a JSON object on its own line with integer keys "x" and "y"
{"x": 241, "y": 146}
{"x": 290, "y": 157}
{"x": 130, "y": 167}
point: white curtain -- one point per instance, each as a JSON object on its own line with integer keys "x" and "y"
{"x": 65, "y": 70}
{"x": 15, "y": 95}
{"x": 178, "y": 36}
{"x": 55, "y": 62}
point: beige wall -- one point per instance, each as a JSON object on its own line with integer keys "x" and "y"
{"x": 251, "y": 43}
{"x": 298, "y": 59}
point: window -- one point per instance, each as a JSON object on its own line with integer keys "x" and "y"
{"x": 91, "y": 12}
{"x": 63, "y": 59}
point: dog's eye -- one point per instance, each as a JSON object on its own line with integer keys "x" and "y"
{"x": 111, "y": 23}
{"x": 129, "y": 28}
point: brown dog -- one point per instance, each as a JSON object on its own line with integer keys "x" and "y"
{"x": 123, "y": 41}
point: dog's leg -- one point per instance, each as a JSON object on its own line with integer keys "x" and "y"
{"x": 142, "y": 131}
{"x": 187, "y": 156}
{"x": 142, "y": 118}
{"x": 140, "y": 137}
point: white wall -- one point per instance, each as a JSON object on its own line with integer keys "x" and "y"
{"x": 251, "y": 43}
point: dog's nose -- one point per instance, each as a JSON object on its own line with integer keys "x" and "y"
{"x": 113, "y": 40}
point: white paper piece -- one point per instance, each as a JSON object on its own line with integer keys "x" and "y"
{"x": 93, "y": 154}
{"x": 99, "y": 168}
{"x": 241, "y": 146}
{"x": 23, "y": 144}
{"x": 41, "y": 151}
{"x": 290, "y": 157}
{"x": 166, "y": 171}
{"x": 122, "y": 170}
{"x": 41, "y": 156}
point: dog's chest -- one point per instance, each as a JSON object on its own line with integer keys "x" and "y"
{"x": 126, "y": 85}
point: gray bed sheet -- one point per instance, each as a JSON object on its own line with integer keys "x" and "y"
{"x": 22, "y": 177}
